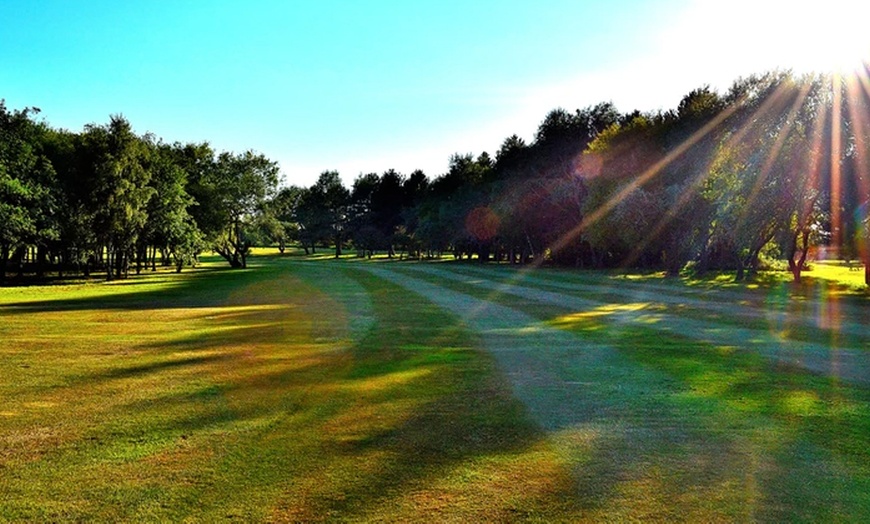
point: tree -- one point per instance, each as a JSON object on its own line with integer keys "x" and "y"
{"x": 387, "y": 203}
{"x": 282, "y": 208}
{"x": 120, "y": 190}
{"x": 323, "y": 211}
{"x": 240, "y": 184}
{"x": 170, "y": 228}
{"x": 360, "y": 215}
{"x": 414, "y": 188}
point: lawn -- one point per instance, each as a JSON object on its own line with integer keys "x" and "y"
{"x": 283, "y": 392}
{"x": 302, "y": 390}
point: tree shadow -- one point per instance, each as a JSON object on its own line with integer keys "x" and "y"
{"x": 382, "y": 420}
{"x": 206, "y": 287}
{"x": 661, "y": 419}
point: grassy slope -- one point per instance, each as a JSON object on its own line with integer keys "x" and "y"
{"x": 258, "y": 394}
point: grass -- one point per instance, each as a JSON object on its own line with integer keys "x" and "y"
{"x": 728, "y": 434}
{"x": 840, "y": 274}
{"x": 303, "y": 390}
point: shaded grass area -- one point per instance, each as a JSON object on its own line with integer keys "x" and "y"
{"x": 285, "y": 392}
{"x": 770, "y": 441}
{"x": 814, "y": 313}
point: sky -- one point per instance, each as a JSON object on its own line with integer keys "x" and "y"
{"x": 365, "y": 86}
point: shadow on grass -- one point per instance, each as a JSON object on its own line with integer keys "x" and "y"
{"x": 806, "y": 434}
{"x": 202, "y": 287}
{"x": 289, "y": 419}
{"x": 685, "y": 422}
{"x": 155, "y": 367}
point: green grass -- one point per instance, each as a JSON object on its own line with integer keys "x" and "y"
{"x": 262, "y": 395}
{"x": 760, "y": 440}
{"x": 303, "y": 389}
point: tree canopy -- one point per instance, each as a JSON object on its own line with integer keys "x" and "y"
{"x": 772, "y": 169}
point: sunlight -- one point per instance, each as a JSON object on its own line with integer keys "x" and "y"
{"x": 836, "y": 40}
{"x": 828, "y": 37}
{"x": 641, "y": 179}
{"x": 774, "y": 151}
{"x": 857, "y": 89}
{"x": 387, "y": 381}
{"x": 802, "y": 403}
{"x": 607, "y": 310}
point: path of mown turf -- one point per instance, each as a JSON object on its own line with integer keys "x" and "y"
{"x": 852, "y": 364}
{"x": 639, "y": 440}
{"x": 775, "y": 308}
{"x": 531, "y": 353}
{"x": 602, "y": 413}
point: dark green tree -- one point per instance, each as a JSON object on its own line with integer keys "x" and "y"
{"x": 240, "y": 185}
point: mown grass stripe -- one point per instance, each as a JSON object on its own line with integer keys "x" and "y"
{"x": 819, "y": 320}
{"x": 285, "y": 392}
{"x": 793, "y": 424}
{"x": 813, "y": 356}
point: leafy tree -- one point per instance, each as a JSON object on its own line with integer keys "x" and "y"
{"x": 360, "y": 217}
{"x": 414, "y": 188}
{"x": 283, "y": 226}
{"x": 323, "y": 211}
{"x": 120, "y": 189}
{"x": 387, "y": 204}
{"x": 28, "y": 189}
{"x": 170, "y": 228}
{"x": 240, "y": 184}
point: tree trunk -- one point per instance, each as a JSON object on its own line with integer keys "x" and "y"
{"x": 4, "y": 258}
{"x": 797, "y": 266}
{"x": 20, "y": 257}
{"x": 110, "y": 267}
{"x": 40, "y": 262}
{"x": 120, "y": 262}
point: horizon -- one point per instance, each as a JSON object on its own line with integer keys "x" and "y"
{"x": 360, "y": 89}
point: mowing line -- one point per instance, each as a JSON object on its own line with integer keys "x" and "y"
{"x": 718, "y": 302}
{"x": 613, "y": 420}
{"x": 851, "y": 364}
{"x": 644, "y": 444}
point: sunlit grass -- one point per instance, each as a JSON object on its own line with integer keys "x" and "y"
{"x": 302, "y": 392}
{"x": 310, "y": 390}
{"x": 850, "y": 276}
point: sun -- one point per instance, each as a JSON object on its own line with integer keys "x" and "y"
{"x": 837, "y": 41}
{"x": 822, "y": 36}
{"x": 750, "y": 36}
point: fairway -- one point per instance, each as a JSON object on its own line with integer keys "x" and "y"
{"x": 353, "y": 390}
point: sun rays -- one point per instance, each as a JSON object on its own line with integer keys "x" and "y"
{"x": 794, "y": 151}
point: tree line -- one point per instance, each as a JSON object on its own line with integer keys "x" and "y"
{"x": 106, "y": 199}
{"x": 771, "y": 169}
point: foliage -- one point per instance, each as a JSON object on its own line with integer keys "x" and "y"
{"x": 778, "y": 160}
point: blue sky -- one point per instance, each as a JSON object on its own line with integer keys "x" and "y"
{"x": 370, "y": 85}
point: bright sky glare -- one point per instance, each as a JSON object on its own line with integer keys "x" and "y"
{"x": 365, "y": 86}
